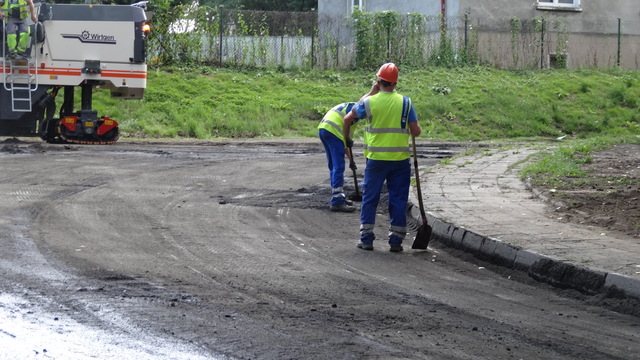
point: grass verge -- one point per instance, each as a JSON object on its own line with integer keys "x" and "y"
{"x": 564, "y": 166}
{"x": 589, "y": 108}
{"x": 479, "y": 103}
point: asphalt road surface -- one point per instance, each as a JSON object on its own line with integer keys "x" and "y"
{"x": 227, "y": 250}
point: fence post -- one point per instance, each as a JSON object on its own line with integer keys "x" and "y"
{"x": 466, "y": 34}
{"x": 388, "y": 41}
{"x": 220, "y": 31}
{"x": 313, "y": 37}
{"x": 542, "y": 44}
{"x": 619, "y": 39}
{"x": 338, "y": 54}
{"x": 313, "y": 41}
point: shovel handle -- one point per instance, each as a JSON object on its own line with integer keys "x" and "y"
{"x": 415, "y": 165}
{"x": 355, "y": 176}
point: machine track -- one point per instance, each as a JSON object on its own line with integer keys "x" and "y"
{"x": 108, "y": 138}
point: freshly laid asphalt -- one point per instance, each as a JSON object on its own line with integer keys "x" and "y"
{"x": 479, "y": 204}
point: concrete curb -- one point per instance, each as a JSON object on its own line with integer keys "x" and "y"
{"x": 540, "y": 267}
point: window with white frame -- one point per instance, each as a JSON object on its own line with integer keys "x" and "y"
{"x": 559, "y": 4}
{"x": 358, "y": 3}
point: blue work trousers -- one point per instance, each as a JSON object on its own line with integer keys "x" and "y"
{"x": 334, "y": 149}
{"x": 397, "y": 174}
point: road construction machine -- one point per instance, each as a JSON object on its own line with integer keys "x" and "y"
{"x": 82, "y": 46}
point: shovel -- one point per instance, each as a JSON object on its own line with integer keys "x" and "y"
{"x": 424, "y": 231}
{"x": 352, "y": 165}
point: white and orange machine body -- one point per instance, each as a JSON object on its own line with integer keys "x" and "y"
{"x": 73, "y": 46}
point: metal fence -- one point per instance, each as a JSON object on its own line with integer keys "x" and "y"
{"x": 553, "y": 43}
{"x": 236, "y": 38}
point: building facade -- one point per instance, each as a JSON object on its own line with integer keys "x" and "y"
{"x": 581, "y": 33}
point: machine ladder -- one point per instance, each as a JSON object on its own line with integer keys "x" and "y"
{"x": 20, "y": 76}
{"x": 20, "y": 81}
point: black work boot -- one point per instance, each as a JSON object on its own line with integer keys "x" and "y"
{"x": 364, "y": 246}
{"x": 395, "y": 248}
{"x": 342, "y": 208}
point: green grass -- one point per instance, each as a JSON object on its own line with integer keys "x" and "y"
{"x": 221, "y": 103}
{"x": 555, "y": 168}
{"x": 590, "y": 108}
{"x": 479, "y": 103}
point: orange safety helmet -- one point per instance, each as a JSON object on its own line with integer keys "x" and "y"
{"x": 388, "y": 72}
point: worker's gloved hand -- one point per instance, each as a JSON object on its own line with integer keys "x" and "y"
{"x": 349, "y": 143}
{"x": 352, "y": 166}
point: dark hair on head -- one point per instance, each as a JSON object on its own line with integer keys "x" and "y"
{"x": 385, "y": 83}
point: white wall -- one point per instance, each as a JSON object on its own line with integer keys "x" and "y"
{"x": 596, "y": 16}
{"x": 425, "y": 7}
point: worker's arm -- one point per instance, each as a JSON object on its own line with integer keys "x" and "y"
{"x": 349, "y": 153}
{"x": 32, "y": 11}
{"x": 375, "y": 88}
{"x": 414, "y": 126}
{"x": 415, "y": 129}
{"x": 348, "y": 120}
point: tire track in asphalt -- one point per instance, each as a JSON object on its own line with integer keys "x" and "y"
{"x": 274, "y": 300}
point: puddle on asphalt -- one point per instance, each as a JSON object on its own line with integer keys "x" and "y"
{"x": 27, "y": 332}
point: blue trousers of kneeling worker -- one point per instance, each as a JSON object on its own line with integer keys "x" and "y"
{"x": 334, "y": 149}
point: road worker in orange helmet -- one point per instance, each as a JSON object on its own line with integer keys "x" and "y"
{"x": 391, "y": 120}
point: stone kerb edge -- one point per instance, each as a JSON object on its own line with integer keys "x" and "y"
{"x": 504, "y": 254}
{"x": 630, "y": 285}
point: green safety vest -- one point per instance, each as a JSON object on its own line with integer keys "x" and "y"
{"x": 22, "y": 4}
{"x": 387, "y": 132}
{"x": 333, "y": 120}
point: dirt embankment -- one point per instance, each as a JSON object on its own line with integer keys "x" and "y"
{"x": 609, "y": 197}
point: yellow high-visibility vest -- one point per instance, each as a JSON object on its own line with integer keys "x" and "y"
{"x": 387, "y": 132}
{"x": 10, "y": 4}
{"x": 333, "y": 120}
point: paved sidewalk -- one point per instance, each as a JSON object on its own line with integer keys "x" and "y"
{"x": 478, "y": 203}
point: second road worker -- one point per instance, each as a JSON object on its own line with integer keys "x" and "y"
{"x": 332, "y": 137}
{"x": 390, "y": 122}
{"x": 335, "y": 144}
